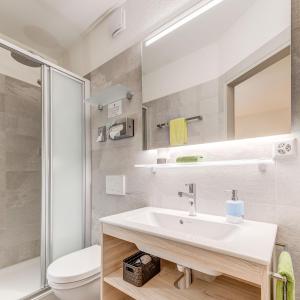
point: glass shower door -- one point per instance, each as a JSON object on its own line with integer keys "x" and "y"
{"x": 67, "y": 164}
{"x": 64, "y": 174}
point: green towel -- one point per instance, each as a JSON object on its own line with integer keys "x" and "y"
{"x": 285, "y": 268}
{"x": 178, "y": 132}
{"x": 189, "y": 159}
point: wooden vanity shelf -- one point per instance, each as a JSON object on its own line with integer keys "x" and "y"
{"x": 161, "y": 287}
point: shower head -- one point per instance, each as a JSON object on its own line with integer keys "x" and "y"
{"x": 24, "y": 60}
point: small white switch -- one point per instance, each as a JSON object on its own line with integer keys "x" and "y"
{"x": 115, "y": 185}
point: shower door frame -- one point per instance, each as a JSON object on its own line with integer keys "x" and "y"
{"x": 46, "y": 69}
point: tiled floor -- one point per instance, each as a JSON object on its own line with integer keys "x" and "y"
{"x": 20, "y": 280}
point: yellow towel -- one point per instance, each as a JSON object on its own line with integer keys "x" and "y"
{"x": 178, "y": 132}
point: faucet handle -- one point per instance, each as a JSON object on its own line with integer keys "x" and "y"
{"x": 192, "y": 187}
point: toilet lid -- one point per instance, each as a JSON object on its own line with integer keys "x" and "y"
{"x": 76, "y": 266}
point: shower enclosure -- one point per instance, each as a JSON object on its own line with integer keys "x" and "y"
{"x": 44, "y": 169}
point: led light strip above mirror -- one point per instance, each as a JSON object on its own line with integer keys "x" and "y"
{"x": 187, "y": 16}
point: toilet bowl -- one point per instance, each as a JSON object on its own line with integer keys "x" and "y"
{"x": 76, "y": 276}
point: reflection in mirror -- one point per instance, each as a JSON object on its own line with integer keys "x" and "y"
{"x": 224, "y": 74}
{"x": 262, "y": 103}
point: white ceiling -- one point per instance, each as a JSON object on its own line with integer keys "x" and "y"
{"x": 49, "y": 26}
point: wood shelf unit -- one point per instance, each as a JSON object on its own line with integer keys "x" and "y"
{"x": 242, "y": 280}
{"x": 161, "y": 288}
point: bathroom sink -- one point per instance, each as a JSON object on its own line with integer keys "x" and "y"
{"x": 250, "y": 240}
{"x": 189, "y": 226}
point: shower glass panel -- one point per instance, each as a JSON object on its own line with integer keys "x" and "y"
{"x": 67, "y": 164}
{"x": 44, "y": 169}
{"x": 20, "y": 177}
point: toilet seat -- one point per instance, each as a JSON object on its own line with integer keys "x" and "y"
{"x": 72, "y": 285}
{"x": 75, "y": 269}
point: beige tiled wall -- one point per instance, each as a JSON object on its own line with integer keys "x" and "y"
{"x": 272, "y": 196}
{"x": 20, "y": 174}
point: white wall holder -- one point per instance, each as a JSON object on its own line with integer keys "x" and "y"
{"x": 115, "y": 185}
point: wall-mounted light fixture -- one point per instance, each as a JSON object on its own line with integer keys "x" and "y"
{"x": 109, "y": 95}
{"x": 182, "y": 19}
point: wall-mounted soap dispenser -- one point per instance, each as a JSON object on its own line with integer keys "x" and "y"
{"x": 235, "y": 210}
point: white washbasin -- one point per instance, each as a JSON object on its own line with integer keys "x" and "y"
{"x": 189, "y": 226}
{"x": 250, "y": 240}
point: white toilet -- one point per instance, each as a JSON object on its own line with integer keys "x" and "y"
{"x": 76, "y": 276}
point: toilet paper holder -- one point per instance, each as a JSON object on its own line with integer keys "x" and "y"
{"x": 121, "y": 129}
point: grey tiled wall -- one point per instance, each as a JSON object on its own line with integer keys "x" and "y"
{"x": 272, "y": 196}
{"x": 117, "y": 157}
{"x": 20, "y": 170}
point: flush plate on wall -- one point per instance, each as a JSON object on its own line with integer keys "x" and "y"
{"x": 115, "y": 185}
{"x": 285, "y": 149}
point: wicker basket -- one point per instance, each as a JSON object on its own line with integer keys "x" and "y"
{"x": 138, "y": 273}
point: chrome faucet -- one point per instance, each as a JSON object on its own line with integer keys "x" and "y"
{"x": 191, "y": 195}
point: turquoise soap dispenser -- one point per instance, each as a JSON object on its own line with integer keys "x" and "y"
{"x": 235, "y": 210}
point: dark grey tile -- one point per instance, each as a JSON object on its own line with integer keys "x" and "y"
{"x": 22, "y": 180}
{"x": 15, "y": 87}
{"x": 22, "y": 144}
{"x": 2, "y": 102}
{"x": 2, "y": 84}
{"x": 20, "y": 175}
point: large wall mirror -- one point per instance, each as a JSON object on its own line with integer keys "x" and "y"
{"x": 223, "y": 74}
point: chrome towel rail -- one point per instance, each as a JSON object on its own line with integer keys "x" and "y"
{"x": 277, "y": 276}
{"x": 166, "y": 124}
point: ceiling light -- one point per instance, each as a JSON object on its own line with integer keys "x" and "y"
{"x": 189, "y": 15}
